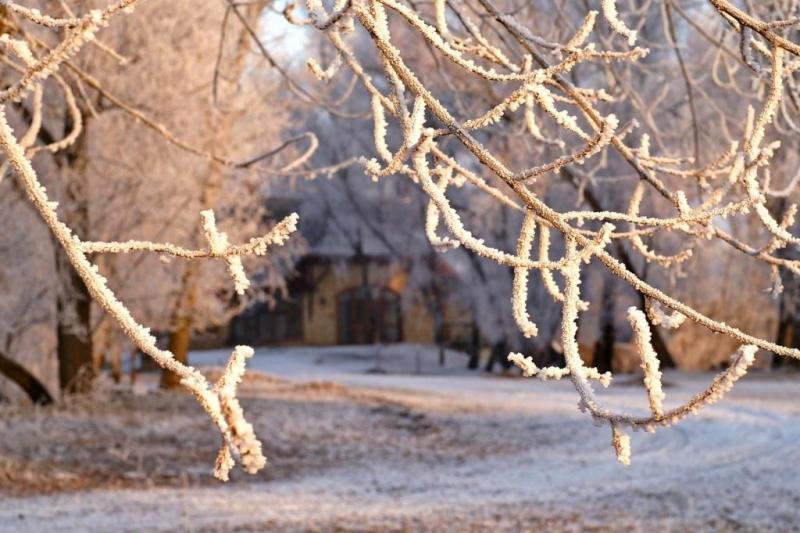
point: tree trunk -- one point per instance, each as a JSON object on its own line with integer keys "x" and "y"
{"x": 437, "y": 310}
{"x": 75, "y": 358}
{"x": 75, "y": 365}
{"x": 17, "y": 373}
{"x": 475, "y": 348}
{"x": 787, "y": 305}
{"x": 181, "y": 336}
{"x": 499, "y": 355}
{"x": 783, "y": 337}
{"x": 604, "y": 348}
{"x": 179, "y": 346}
{"x": 786, "y": 336}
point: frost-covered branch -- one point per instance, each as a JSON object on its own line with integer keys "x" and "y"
{"x": 532, "y": 79}
{"x": 37, "y": 64}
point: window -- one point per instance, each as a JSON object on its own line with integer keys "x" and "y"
{"x": 260, "y": 325}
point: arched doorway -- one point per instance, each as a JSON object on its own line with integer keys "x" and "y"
{"x": 368, "y": 314}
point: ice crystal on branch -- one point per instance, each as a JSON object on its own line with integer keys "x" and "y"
{"x": 37, "y": 64}
{"x": 508, "y": 110}
{"x": 531, "y": 86}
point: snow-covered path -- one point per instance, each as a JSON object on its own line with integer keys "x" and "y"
{"x": 537, "y": 464}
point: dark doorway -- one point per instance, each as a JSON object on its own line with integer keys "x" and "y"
{"x": 368, "y": 314}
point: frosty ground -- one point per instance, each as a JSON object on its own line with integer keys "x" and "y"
{"x": 367, "y": 440}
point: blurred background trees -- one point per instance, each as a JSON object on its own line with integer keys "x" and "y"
{"x": 227, "y": 79}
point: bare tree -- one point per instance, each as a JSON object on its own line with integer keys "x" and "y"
{"x": 526, "y": 74}
{"x": 505, "y": 108}
{"x": 36, "y": 62}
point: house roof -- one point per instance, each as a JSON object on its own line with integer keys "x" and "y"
{"x": 342, "y": 239}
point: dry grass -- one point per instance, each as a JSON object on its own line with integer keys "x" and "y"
{"x": 116, "y": 439}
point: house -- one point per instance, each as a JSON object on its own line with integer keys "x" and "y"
{"x": 350, "y": 288}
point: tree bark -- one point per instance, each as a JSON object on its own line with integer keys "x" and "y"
{"x": 180, "y": 338}
{"x": 75, "y": 369}
{"x": 179, "y": 346}
{"x": 499, "y": 355}
{"x": 17, "y": 373}
{"x": 75, "y": 363}
{"x": 604, "y": 348}
{"x": 181, "y": 335}
{"x": 475, "y": 348}
{"x": 75, "y": 359}
{"x": 786, "y": 336}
